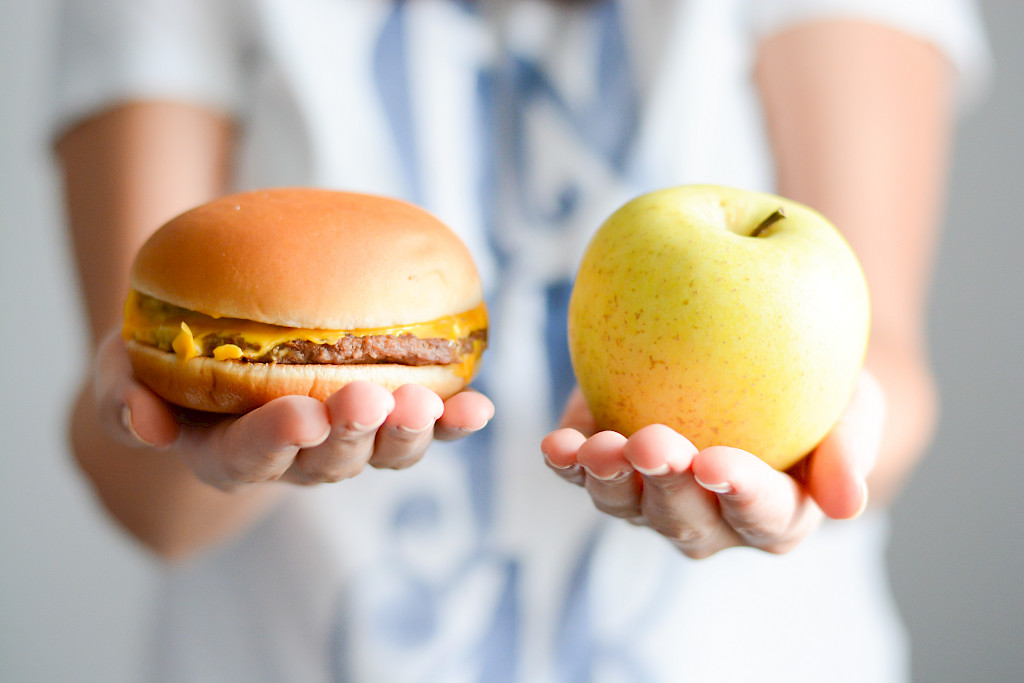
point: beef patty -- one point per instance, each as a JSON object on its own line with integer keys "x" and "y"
{"x": 404, "y": 349}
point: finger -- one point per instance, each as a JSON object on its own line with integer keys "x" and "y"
{"x": 464, "y": 413}
{"x": 837, "y": 470}
{"x": 409, "y": 429}
{"x": 148, "y": 418}
{"x": 672, "y": 502}
{"x": 658, "y": 449}
{"x": 768, "y": 509}
{"x": 128, "y": 410}
{"x": 612, "y": 483}
{"x": 560, "y": 449}
{"x": 258, "y": 446}
{"x": 577, "y": 415}
{"x": 601, "y": 456}
{"x": 355, "y": 412}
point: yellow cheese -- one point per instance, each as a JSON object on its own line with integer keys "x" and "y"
{"x": 157, "y": 323}
{"x": 227, "y": 352}
{"x": 184, "y": 344}
{"x": 467, "y": 368}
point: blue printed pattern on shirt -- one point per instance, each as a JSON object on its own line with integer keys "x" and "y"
{"x": 403, "y": 606}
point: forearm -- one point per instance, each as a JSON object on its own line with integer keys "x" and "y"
{"x": 912, "y": 405}
{"x": 859, "y": 122}
{"x": 126, "y": 171}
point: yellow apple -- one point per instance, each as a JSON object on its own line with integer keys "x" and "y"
{"x": 737, "y": 318}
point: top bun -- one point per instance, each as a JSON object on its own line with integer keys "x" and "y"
{"x": 310, "y": 258}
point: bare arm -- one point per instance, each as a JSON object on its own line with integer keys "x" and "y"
{"x": 178, "y": 486}
{"x": 127, "y": 171}
{"x": 859, "y": 120}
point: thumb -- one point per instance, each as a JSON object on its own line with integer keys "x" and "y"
{"x": 129, "y": 411}
{"x": 577, "y": 415}
{"x": 838, "y": 468}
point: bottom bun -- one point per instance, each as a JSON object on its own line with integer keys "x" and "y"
{"x": 237, "y": 387}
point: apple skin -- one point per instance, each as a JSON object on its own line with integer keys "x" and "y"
{"x": 679, "y": 316}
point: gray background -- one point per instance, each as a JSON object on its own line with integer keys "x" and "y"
{"x": 73, "y": 593}
{"x": 957, "y": 552}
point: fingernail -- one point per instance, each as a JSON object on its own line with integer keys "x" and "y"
{"x": 570, "y": 471}
{"x": 659, "y": 471}
{"x": 863, "y": 501}
{"x": 557, "y": 466}
{"x": 413, "y": 431}
{"x": 126, "y": 421}
{"x": 466, "y": 431}
{"x": 474, "y": 429}
{"x": 613, "y": 478}
{"x": 372, "y": 426}
{"x": 723, "y": 487}
{"x": 315, "y": 442}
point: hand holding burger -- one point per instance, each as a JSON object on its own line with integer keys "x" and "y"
{"x": 299, "y": 291}
{"x": 343, "y": 329}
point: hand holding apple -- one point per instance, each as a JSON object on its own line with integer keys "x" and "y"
{"x": 737, "y": 318}
{"x": 704, "y": 501}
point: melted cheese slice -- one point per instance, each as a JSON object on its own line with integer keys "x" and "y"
{"x": 157, "y": 323}
{"x": 185, "y": 343}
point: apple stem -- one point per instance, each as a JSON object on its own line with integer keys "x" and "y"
{"x": 773, "y": 218}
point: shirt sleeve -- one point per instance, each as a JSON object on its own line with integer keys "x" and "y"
{"x": 954, "y": 26}
{"x": 114, "y": 51}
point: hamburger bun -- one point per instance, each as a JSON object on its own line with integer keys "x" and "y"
{"x": 300, "y": 291}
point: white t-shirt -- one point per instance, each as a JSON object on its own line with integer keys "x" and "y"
{"x": 522, "y": 125}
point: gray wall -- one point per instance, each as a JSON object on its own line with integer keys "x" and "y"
{"x": 958, "y": 546}
{"x": 73, "y": 593}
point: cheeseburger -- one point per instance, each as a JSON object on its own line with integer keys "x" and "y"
{"x": 299, "y": 291}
